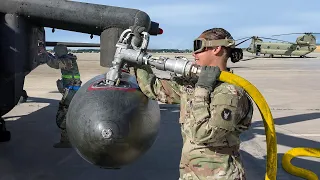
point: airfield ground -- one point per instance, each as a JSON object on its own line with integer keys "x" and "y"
{"x": 289, "y": 85}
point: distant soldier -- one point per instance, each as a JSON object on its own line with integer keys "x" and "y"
{"x": 68, "y": 86}
{"x": 213, "y": 114}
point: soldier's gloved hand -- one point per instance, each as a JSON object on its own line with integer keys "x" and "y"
{"x": 208, "y": 77}
{"x": 137, "y": 30}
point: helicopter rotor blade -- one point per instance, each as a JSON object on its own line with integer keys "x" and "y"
{"x": 287, "y": 34}
{"x": 295, "y": 33}
{"x": 243, "y": 38}
{"x": 276, "y": 40}
{"x": 243, "y": 41}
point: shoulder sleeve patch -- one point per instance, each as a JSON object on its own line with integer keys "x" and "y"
{"x": 226, "y": 114}
{"x": 224, "y": 111}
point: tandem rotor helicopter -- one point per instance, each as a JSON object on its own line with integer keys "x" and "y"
{"x": 304, "y": 45}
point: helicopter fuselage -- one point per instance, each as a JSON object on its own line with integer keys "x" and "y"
{"x": 275, "y": 48}
{"x": 22, "y": 24}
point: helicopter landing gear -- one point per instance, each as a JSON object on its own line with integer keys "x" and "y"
{"x": 271, "y": 56}
{"x": 4, "y": 134}
{"x": 303, "y": 56}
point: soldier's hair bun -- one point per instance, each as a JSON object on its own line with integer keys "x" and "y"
{"x": 236, "y": 54}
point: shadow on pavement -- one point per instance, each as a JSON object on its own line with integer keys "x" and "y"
{"x": 256, "y": 168}
{"x": 54, "y": 92}
{"x": 43, "y": 100}
{"x": 30, "y": 155}
{"x": 290, "y": 119}
{"x": 285, "y": 140}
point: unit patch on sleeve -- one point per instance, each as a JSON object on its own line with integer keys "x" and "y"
{"x": 226, "y": 114}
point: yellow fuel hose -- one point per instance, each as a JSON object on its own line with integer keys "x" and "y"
{"x": 300, "y": 151}
{"x": 271, "y": 139}
{"x": 264, "y": 109}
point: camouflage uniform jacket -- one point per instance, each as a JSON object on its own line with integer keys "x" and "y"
{"x": 211, "y": 123}
{"x": 69, "y": 69}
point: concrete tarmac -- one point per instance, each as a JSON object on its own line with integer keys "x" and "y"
{"x": 289, "y": 85}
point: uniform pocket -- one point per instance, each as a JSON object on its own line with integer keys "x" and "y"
{"x": 224, "y": 111}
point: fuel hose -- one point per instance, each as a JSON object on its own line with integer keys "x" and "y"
{"x": 271, "y": 139}
{"x": 300, "y": 151}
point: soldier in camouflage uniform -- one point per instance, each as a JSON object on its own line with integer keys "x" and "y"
{"x": 70, "y": 84}
{"x": 212, "y": 113}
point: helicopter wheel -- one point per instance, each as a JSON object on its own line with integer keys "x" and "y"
{"x": 303, "y": 56}
{"x": 271, "y": 55}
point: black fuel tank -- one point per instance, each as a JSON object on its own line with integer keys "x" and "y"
{"x": 112, "y": 126}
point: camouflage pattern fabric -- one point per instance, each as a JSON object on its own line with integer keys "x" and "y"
{"x": 211, "y": 123}
{"x": 69, "y": 69}
{"x": 63, "y": 108}
{"x": 70, "y": 80}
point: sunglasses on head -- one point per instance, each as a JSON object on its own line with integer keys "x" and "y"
{"x": 200, "y": 44}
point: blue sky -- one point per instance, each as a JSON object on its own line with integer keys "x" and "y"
{"x": 183, "y": 21}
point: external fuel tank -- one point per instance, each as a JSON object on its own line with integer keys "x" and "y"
{"x": 112, "y": 126}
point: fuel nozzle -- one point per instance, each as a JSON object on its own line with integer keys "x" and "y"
{"x": 127, "y": 52}
{"x": 178, "y": 65}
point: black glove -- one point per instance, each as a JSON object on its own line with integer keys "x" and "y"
{"x": 137, "y": 30}
{"x": 208, "y": 77}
